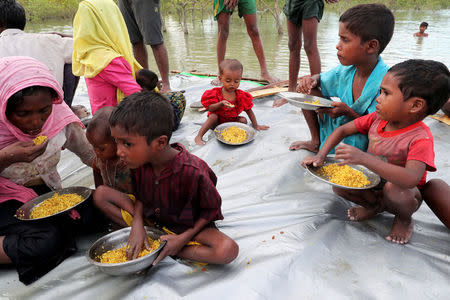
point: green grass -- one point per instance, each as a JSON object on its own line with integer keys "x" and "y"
{"x": 57, "y": 9}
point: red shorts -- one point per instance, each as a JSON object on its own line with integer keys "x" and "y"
{"x": 223, "y": 119}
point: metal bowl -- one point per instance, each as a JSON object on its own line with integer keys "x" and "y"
{"x": 250, "y": 132}
{"x": 119, "y": 239}
{"x": 24, "y": 212}
{"x": 300, "y": 100}
{"x": 371, "y": 176}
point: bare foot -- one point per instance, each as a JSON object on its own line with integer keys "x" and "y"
{"x": 359, "y": 213}
{"x": 269, "y": 78}
{"x": 216, "y": 82}
{"x": 307, "y": 145}
{"x": 279, "y": 102}
{"x": 401, "y": 230}
{"x": 198, "y": 140}
{"x": 165, "y": 87}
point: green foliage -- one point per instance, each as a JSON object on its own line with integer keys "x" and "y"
{"x": 53, "y": 9}
{"x": 49, "y": 9}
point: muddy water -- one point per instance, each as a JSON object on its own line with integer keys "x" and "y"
{"x": 197, "y": 50}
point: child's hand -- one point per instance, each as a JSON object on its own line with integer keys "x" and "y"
{"x": 349, "y": 155}
{"x": 261, "y": 127}
{"x": 315, "y": 160}
{"x": 137, "y": 238}
{"x": 339, "y": 109}
{"x": 305, "y": 84}
{"x": 227, "y": 103}
{"x": 175, "y": 242}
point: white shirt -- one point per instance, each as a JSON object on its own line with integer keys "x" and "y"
{"x": 51, "y": 49}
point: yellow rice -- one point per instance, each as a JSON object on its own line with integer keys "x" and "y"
{"x": 234, "y": 135}
{"x": 315, "y": 102}
{"x": 344, "y": 175}
{"x": 119, "y": 255}
{"x": 55, "y": 204}
{"x": 39, "y": 140}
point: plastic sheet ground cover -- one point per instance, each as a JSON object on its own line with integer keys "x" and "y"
{"x": 294, "y": 237}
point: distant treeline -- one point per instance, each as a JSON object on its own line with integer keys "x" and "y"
{"x": 54, "y": 9}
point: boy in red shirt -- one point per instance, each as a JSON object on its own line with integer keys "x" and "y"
{"x": 400, "y": 144}
{"x": 225, "y": 103}
{"x": 173, "y": 188}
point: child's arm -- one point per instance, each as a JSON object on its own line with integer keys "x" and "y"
{"x": 406, "y": 177}
{"x": 219, "y": 105}
{"x": 251, "y": 116}
{"x": 335, "y": 138}
{"x": 176, "y": 242}
{"x": 138, "y": 235}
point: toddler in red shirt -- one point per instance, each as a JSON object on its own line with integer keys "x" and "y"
{"x": 172, "y": 187}
{"x": 224, "y": 104}
{"x": 400, "y": 144}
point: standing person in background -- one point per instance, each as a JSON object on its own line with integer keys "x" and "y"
{"x": 247, "y": 9}
{"x": 52, "y": 49}
{"x": 302, "y": 17}
{"x": 103, "y": 54}
{"x": 143, "y": 20}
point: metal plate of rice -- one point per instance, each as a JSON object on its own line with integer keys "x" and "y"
{"x": 301, "y": 100}
{"x": 24, "y": 212}
{"x": 250, "y": 132}
{"x": 371, "y": 176}
{"x": 119, "y": 239}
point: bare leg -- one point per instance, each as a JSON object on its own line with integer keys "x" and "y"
{"x": 242, "y": 120}
{"x": 140, "y": 53}
{"x": 295, "y": 45}
{"x": 162, "y": 61}
{"x": 216, "y": 248}
{"x": 402, "y": 203}
{"x": 436, "y": 194}
{"x": 211, "y": 122}
{"x": 252, "y": 30}
{"x": 370, "y": 201}
{"x": 309, "y": 27}
{"x": 4, "y": 259}
{"x": 111, "y": 201}
{"x": 223, "y": 28}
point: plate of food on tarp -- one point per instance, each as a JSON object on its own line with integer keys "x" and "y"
{"x": 234, "y": 133}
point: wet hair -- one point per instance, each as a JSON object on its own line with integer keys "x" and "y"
{"x": 17, "y": 99}
{"x": 100, "y": 122}
{"x": 426, "y": 79}
{"x": 370, "y": 21}
{"x": 12, "y": 14}
{"x": 230, "y": 64}
{"x": 424, "y": 24}
{"x": 146, "y": 113}
{"x": 147, "y": 79}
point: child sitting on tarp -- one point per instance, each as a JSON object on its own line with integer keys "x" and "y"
{"x": 225, "y": 103}
{"x": 364, "y": 32}
{"x": 172, "y": 187}
{"x": 148, "y": 80}
{"x": 401, "y": 148}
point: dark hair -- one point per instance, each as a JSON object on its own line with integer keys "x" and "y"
{"x": 423, "y": 24}
{"x": 12, "y": 14}
{"x": 231, "y": 64}
{"x": 370, "y": 21}
{"x": 426, "y": 79}
{"x": 100, "y": 121}
{"x": 146, "y": 113}
{"x": 17, "y": 99}
{"x": 147, "y": 79}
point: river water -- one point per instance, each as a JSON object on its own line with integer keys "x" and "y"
{"x": 197, "y": 50}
